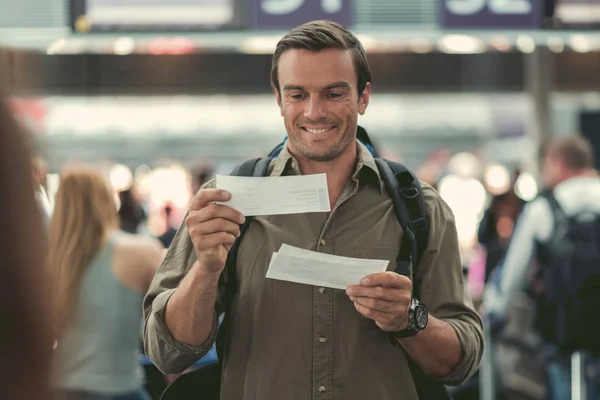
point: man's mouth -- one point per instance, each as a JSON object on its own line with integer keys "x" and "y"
{"x": 318, "y": 131}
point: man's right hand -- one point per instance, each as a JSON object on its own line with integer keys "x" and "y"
{"x": 213, "y": 228}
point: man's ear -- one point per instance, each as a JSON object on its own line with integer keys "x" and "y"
{"x": 278, "y": 98}
{"x": 363, "y": 99}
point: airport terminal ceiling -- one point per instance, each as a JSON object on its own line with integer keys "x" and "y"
{"x": 209, "y": 73}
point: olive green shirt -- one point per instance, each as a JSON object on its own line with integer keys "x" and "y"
{"x": 294, "y": 341}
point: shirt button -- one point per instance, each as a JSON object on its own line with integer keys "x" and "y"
{"x": 323, "y": 242}
{"x": 322, "y": 290}
{"x": 322, "y": 339}
{"x": 322, "y": 389}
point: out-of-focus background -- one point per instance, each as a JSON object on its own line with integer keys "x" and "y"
{"x": 163, "y": 94}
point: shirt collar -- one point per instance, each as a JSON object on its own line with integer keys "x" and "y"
{"x": 286, "y": 164}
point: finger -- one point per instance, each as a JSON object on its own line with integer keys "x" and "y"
{"x": 378, "y": 316}
{"x": 213, "y": 226}
{"x": 379, "y": 292}
{"x": 384, "y": 306}
{"x": 388, "y": 278}
{"x": 213, "y": 240}
{"x": 206, "y": 196}
{"x": 214, "y": 211}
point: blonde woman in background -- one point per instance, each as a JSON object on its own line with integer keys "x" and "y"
{"x": 101, "y": 277}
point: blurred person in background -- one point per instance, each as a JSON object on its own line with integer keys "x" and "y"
{"x": 497, "y": 224}
{"x": 554, "y": 255}
{"x": 169, "y": 234}
{"x": 26, "y": 336}
{"x": 201, "y": 174}
{"x": 298, "y": 341}
{"x": 131, "y": 211}
{"x": 101, "y": 275}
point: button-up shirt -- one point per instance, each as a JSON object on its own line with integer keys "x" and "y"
{"x": 295, "y": 341}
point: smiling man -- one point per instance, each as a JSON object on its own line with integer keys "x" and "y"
{"x": 293, "y": 341}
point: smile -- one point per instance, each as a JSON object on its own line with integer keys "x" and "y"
{"x": 319, "y": 131}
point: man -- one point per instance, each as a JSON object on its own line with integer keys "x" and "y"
{"x": 568, "y": 172}
{"x": 292, "y": 341}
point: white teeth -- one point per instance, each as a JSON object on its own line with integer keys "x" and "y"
{"x": 317, "y": 131}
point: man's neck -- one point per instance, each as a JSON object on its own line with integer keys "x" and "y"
{"x": 339, "y": 172}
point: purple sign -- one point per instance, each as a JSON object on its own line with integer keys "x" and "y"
{"x": 287, "y": 14}
{"x": 482, "y": 14}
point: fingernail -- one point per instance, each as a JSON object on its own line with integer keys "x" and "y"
{"x": 364, "y": 281}
{"x": 225, "y": 195}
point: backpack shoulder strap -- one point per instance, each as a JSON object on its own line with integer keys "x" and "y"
{"x": 405, "y": 190}
{"x": 255, "y": 167}
{"x": 407, "y": 196}
{"x": 555, "y": 207}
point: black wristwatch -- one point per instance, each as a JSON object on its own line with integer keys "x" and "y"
{"x": 417, "y": 320}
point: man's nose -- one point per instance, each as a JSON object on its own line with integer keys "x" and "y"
{"x": 315, "y": 108}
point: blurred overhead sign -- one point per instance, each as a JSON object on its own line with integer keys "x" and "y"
{"x": 152, "y": 15}
{"x": 578, "y": 14}
{"x": 492, "y": 14}
{"x": 287, "y": 14}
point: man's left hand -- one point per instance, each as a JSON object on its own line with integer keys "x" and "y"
{"x": 385, "y": 298}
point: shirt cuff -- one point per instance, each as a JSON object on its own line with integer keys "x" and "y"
{"x": 470, "y": 353}
{"x": 159, "y": 307}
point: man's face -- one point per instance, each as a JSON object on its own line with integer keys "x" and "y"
{"x": 319, "y": 102}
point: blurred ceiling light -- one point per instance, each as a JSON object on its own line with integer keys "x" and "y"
{"x": 526, "y": 44}
{"x": 143, "y": 179}
{"x": 466, "y": 198}
{"x": 57, "y": 46}
{"x": 259, "y": 45}
{"x": 169, "y": 184}
{"x": 124, "y": 46}
{"x": 497, "y": 179}
{"x": 461, "y": 44}
{"x": 464, "y": 165}
{"x": 120, "y": 177}
{"x": 181, "y": 45}
{"x": 500, "y": 43}
{"x": 420, "y": 45}
{"x": 556, "y": 44}
{"x": 526, "y": 187}
{"x": 165, "y": 45}
{"x": 580, "y": 43}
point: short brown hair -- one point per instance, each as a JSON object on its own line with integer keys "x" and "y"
{"x": 321, "y": 35}
{"x": 576, "y": 151}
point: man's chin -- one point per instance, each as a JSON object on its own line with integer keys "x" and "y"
{"x": 320, "y": 157}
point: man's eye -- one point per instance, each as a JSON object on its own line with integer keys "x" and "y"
{"x": 297, "y": 96}
{"x": 334, "y": 95}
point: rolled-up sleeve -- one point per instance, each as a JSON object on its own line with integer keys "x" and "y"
{"x": 165, "y": 352}
{"x": 443, "y": 290}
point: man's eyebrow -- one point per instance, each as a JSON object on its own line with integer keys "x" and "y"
{"x": 289, "y": 86}
{"x": 338, "y": 85}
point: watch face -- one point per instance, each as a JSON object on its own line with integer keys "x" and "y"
{"x": 421, "y": 317}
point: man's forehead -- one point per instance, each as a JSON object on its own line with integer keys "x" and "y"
{"x": 316, "y": 69}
